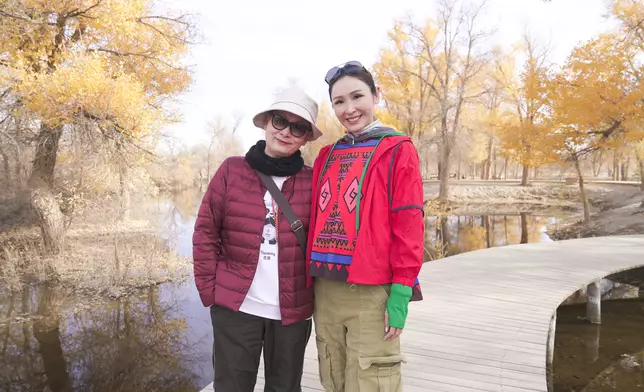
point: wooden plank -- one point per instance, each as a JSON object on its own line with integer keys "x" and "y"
{"x": 483, "y": 325}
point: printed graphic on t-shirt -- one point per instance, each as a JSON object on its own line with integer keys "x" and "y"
{"x": 263, "y": 297}
{"x": 269, "y": 235}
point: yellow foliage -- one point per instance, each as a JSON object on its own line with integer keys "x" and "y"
{"x": 523, "y": 118}
{"x": 86, "y": 87}
{"x": 389, "y": 119}
{"x": 631, "y": 15}
{"x": 598, "y": 96}
{"x": 406, "y": 98}
{"x": 331, "y": 131}
{"x": 112, "y": 62}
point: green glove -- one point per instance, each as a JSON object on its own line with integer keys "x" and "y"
{"x": 397, "y": 305}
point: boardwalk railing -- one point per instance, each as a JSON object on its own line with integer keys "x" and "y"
{"x": 487, "y": 321}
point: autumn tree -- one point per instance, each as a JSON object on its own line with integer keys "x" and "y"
{"x": 523, "y": 135}
{"x": 407, "y": 100}
{"x": 639, "y": 155}
{"x": 446, "y": 57}
{"x": 407, "y": 104}
{"x": 221, "y": 144}
{"x": 598, "y": 101}
{"x": 630, "y": 14}
{"x": 331, "y": 131}
{"x": 113, "y": 63}
{"x": 489, "y": 115}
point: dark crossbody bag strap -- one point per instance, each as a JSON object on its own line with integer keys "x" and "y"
{"x": 285, "y": 207}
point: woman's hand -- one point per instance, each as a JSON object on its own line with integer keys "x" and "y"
{"x": 396, "y": 310}
{"x": 391, "y": 332}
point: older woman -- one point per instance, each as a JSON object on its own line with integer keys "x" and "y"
{"x": 248, "y": 248}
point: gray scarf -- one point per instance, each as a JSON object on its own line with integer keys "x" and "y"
{"x": 369, "y": 132}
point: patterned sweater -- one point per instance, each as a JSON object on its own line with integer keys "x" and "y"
{"x": 335, "y": 227}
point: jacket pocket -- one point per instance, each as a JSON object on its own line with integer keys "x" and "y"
{"x": 380, "y": 374}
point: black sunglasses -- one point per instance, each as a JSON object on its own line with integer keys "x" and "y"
{"x": 297, "y": 128}
{"x": 348, "y": 68}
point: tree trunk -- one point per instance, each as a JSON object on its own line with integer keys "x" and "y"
{"x": 597, "y": 159}
{"x": 488, "y": 169}
{"x": 640, "y": 163}
{"x": 486, "y": 226}
{"x": 625, "y": 167}
{"x": 444, "y": 172}
{"x": 615, "y": 166}
{"x": 41, "y": 183}
{"x": 525, "y": 175}
{"x": 582, "y": 190}
{"x": 428, "y": 166}
{"x": 445, "y": 235}
{"x": 47, "y": 333}
{"x": 6, "y": 168}
{"x": 124, "y": 193}
{"x": 524, "y": 228}
{"x": 494, "y": 172}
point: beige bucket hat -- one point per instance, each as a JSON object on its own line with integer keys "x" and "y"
{"x": 293, "y": 100}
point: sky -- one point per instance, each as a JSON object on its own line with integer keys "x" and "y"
{"x": 251, "y": 48}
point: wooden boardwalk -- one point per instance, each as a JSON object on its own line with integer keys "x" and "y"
{"x": 484, "y": 324}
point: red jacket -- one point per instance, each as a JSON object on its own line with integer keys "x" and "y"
{"x": 228, "y": 233}
{"x": 389, "y": 248}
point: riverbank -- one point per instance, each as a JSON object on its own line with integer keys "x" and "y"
{"x": 102, "y": 256}
{"x": 499, "y": 198}
{"x": 615, "y": 209}
{"x": 619, "y": 211}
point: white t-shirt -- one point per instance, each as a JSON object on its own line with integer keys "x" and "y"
{"x": 263, "y": 298}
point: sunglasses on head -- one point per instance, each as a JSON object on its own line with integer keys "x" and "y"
{"x": 348, "y": 68}
{"x": 297, "y": 128}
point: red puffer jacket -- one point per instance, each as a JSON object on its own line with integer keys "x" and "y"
{"x": 228, "y": 234}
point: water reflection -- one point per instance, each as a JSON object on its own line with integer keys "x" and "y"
{"x": 450, "y": 235}
{"x": 161, "y": 338}
{"x": 606, "y": 357}
{"x": 177, "y": 214}
{"x": 153, "y": 341}
{"x": 445, "y": 235}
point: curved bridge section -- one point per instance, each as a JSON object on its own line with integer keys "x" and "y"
{"x": 487, "y": 321}
{"x": 485, "y": 324}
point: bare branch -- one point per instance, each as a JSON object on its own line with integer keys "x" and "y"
{"x": 178, "y": 19}
{"x": 83, "y": 13}
{"x": 23, "y": 18}
{"x": 147, "y": 55}
{"x": 167, "y": 37}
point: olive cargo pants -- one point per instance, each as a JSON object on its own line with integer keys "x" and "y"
{"x": 350, "y": 328}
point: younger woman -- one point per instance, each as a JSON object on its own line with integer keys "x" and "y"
{"x": 365, "y": 244}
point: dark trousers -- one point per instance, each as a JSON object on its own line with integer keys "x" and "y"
{"x": 239, "y": 339}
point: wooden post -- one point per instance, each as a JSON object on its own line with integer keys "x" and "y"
{"x": 550, "y": 355}
{"x": 594, "y": 303}
{"x": 592, "y": 343}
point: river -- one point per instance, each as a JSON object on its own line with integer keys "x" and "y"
{"x": 161, "y": 339}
